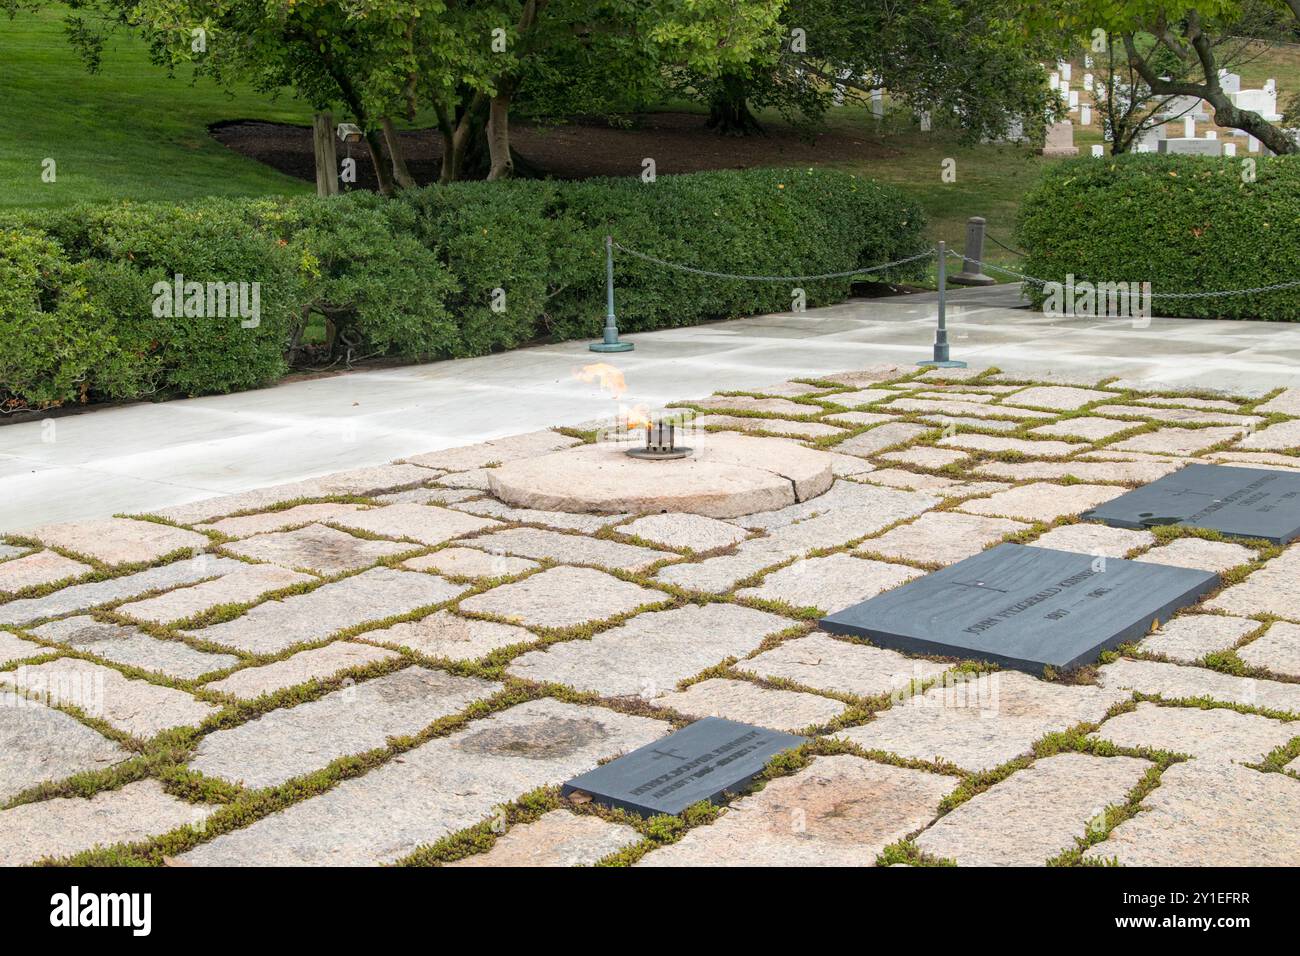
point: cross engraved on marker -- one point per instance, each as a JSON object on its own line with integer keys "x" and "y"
{"x": 978, "y": 584}
{"x": 666, "y": 753}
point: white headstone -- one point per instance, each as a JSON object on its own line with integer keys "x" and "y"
{"x": 1087, "y": 81}
{"x": 1252, "y": 144}
{"x": 1229, "y": 82}
{"x": 878, "y": 104}
{"x": 1229, "y": 149}
{"x": 1060, "y": 140}
{"x": 1066, "y": 71}
{"x": 1192, "y": 147}
{"x": 1211, "y": 134}
{"x": 1054, "y": 81}
{"x": 1189, "y": 127}
{"x": 925, "y": 122}
{"x": 1087, "y": 60}
{"x": 1098, "y": 150}
{"x": 1269, "y": 87}
{"x": 1085, "y": 115}
{"x": 1074, "y": 98}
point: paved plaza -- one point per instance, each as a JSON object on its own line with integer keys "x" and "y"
{"x": 387, "y": 665}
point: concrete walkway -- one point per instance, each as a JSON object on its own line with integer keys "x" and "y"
{"x": 141, "y": 457}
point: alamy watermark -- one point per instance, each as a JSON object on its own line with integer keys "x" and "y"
{"x": 1094, "y": 300}
{"x": 208, "y": 300}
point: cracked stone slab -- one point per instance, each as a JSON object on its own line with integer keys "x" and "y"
{"x": 1179, "y": 441}
{"x": 16, "y": 649}
{"x": 1187, "y": 639}
{"x": 119, "y": 540}
{"x": 241, "y": 586}
{"x": 1182, "y": 415}
{"x": 82, "y": 597}
{"x": 39, "y": 744}
{"x": 1036, "y": 813}
{"x": 1284, "y": 436}
{"x": 1088, "y": 427}
{"x": 358, "y": 481}
{"x": 1176, "y": 682}
{"x": 721, "y": 574}
{"x": 373, "y": 595}
{"x": 447, "y": 635}
{"x": 851, "y": 506}
{"x": 316, "y": 548}
{"x": 315, "y": 664}
{"x": 823, "y": 663}
{"x": 925, "y": 456}
{"x": 1277, "y": 649}
{"x": 427, "y": 524}
{"x": 1218, "y": 734}
{"x": 292, "y": 741}
{"x": 941, "y": 537}
{"x": 470, "y": 563}
{"x": 838, "y": 811}
{"x": 131, "y": 646}
{"x": 695, "y": 532}
{"x": 286, "y": 519}
{"x": 830, "y": 583}
{"x": 557, "y": 838}
{"x": 562, "y": 597}
{"x": 498, "y": 450}
{"x": 1214, "y": 556}
{"x": 571, "y": 549}
{"x": 438, "y": 788}
{"x": 650, "y": 654}
{"x": 1217, "y": 814}
{"x": 133, "y": 706}
{"x": 1060, "y": 398}
{"x": 1270, "y": 590}
{"x": 747, "y": 703}
{"x": 491, "y": 508}
{"x": 1041, "y": 501}
{"x": 41, "y": 567}
{"x": 981, "y": 721}
{"x": 881, "y": 438}
{"x": 475, "y": 480}
{"x": 997, "y": 443}
{"x": 65, "y": 826}
{"x": 1126, "y": 471}
{"x": 1095, "y": 539}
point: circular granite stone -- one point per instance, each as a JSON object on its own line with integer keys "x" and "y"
{"x": 726, "y": 476}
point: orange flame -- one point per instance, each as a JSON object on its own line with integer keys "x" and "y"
{"x": 638, "y": 416}
{"x": 610, "y": 378}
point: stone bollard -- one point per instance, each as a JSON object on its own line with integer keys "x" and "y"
{"x": 972, "y": 259}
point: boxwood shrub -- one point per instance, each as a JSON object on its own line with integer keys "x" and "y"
{"x": 439, "y": 272}
{"x": 1182, "y": 223}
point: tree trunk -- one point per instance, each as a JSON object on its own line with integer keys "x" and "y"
{"x": 401, "y": 174}
{"x": 729, "y": 112}
{"x": 327, "y": 163}
{"x": 501, "y": 163}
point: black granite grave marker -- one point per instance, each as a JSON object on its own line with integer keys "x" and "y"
{"x": 1025, "y": 607}
{"x": 1247, "y": 502}
{"x": 698, "y": 762}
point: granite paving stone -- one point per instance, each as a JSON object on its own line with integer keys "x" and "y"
{"x": 826, "y": 664}
{"x": 941, "y": 537}
{"x": 1041, "y": 501}
{"x": 571, "y": 549}
{"x": 314, "y": 664}
{"x": 470, "y": 563}
{"x": 1134, "y": 472}
{"x": 39, "y": 744}
{"x": 467, "y": 457}
{"x": 1177, "y": 682}
{"x": 1277, "y": 649}
{"x": 1217, "y": 814}
{"x": 1182, "y": 415}
{"x": 475, "y": 480}
{"x": 1260, "y": 459}
{"x": 861, "y": 397}
{"x": 285, "y": 519}
{"x": 1085, "y": 426}
{"x": 1284, "y": 436}
{"x": 1058, "y": 398}
{"x": 1285, "y": 403}
{"x": 1217, "y": 734}
{"x": 696, "y": 532}
{"x": 925, "y": 456}
{"x": 16, "y": 649}
{"x": 131, "y": 705}
{"x": 748, "y": 703}
{"x": 429, "y": 496}
{"x": 562, "y": 597}
{"x": 447, "y": 635}
{"x": 958, "y": 396}
{"x": 1095, "y": 539}
{"x": 956, "y": 423}
{"x": 291, "y": 741}
{"x": 774, "y": 426}
{"x": 650, "y": 654}
{"x": 373, "y": 595}
{"x": 1214, "y": 556}
{"x": 881, "y": 438}
{"x": 981, "y": 721}
{"x": 999, "y": 443}
{"x": 852, "y": 418}
{"x": 839, "y": 811}
{"x": 860, "y": 378}
{"x": 1182, "y": 401}
{"x": 829, "y": 583}
{"x": 438, "y": 788}
{"x": 316, "y": 548}
{"x": 1187, "y": 639}
{"x": 912, "y": 480}
{"x": 427, "y": 524}
{"x": 721, "y": 574}
{"x": 747, "y": 403}
{"x": 65, "y": 826}
{"x": 82, "y": 597}
{"x": 491, "y": 508}
{"x": 241, "y": 586}
{"x": 41, "y": 567}
{"x": 791, "y": 390}
{"x": 133, "y": 647}
{"x": 853, "y": 506}
{"x": 119, "y": 540}
{"x": 1270, "y": 590}
{"x": 1178, "y": 441}
{"x": 558, "y": 838}
{"x": 975, "y": 410}
{"x": 1036, "y": 813}
{"x": 8, "y": 551}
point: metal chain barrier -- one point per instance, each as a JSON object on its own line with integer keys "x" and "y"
{"x": 728, "y": 275}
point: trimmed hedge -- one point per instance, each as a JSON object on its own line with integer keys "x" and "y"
{"x": 1182, "y": 223}
{"x": 439, "y": 272}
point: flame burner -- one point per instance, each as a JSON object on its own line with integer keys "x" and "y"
{"x": 660, "y": 443}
